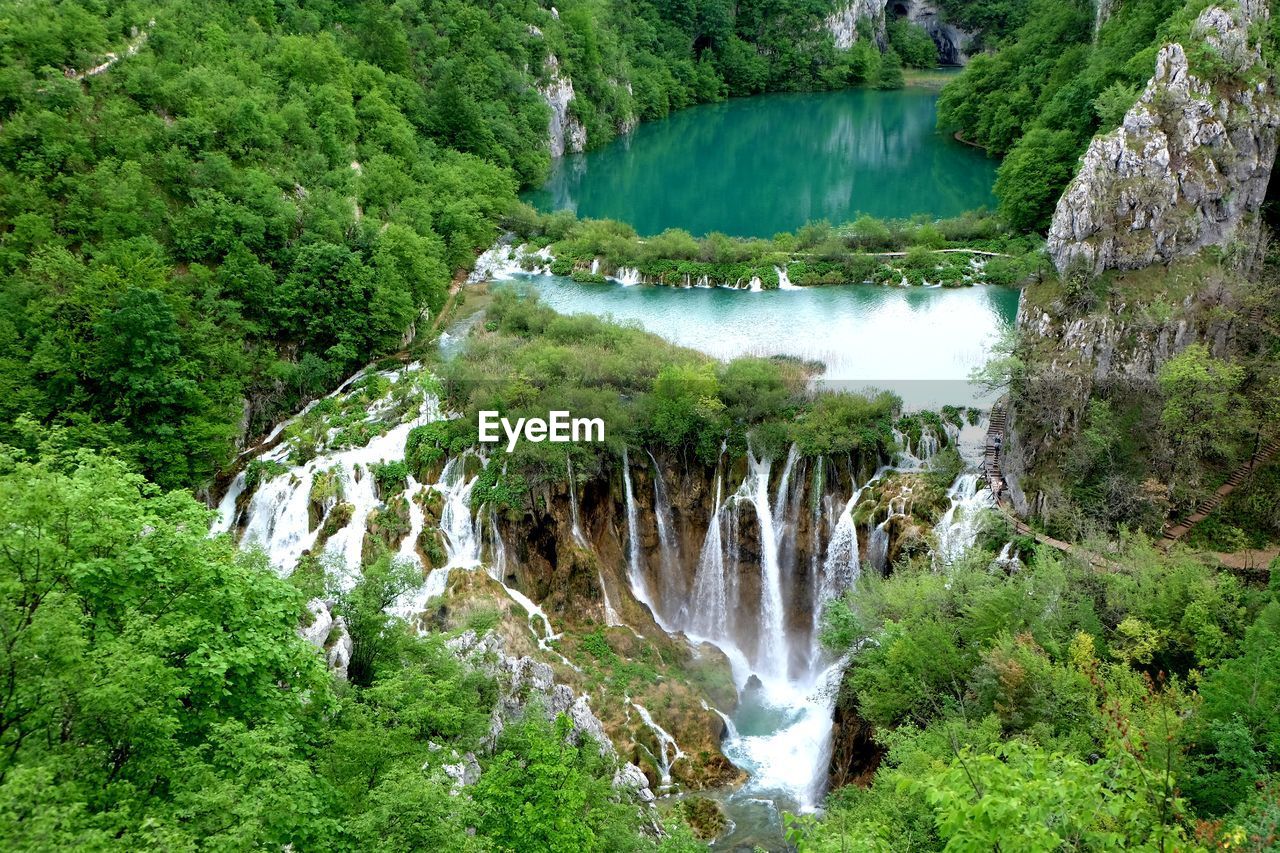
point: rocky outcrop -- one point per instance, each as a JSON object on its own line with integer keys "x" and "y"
{"x": 329, "y": 636}
{"x": 1113, "y": 350}
{"x": 1189, "y": 166}
{"x": 953, "y": 43}
{"x": 564, "y": 132}
{"x": 843, "y": 22}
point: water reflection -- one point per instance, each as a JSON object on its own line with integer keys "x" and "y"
{"x": 757, "y": 166}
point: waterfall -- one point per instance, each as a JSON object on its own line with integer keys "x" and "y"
{"x": 958, "y": 528}
{"x": 784, "y": 281}
{"x": 666, "y": 742}
{"x": 627, "y": 276}
{"x": 843, "y": 565}
{"x": 878, "y": 545}
{"x": 635, "y": 556}
{"x": 772, "y": 647}
{"x": 595, "y": 266}
{"x": 580, "y": 539}
{"x": 462, "y": 546}
{"x": 667, "y": 542}
{"x": 710, "y": 614}
{"x": 226, "y": 520}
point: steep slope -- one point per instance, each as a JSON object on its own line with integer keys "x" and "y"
{"x": 1189, "y": 165}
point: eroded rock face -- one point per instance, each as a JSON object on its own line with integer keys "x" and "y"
{"x": 1189, "y": 166}
{"x": 843, "y": 22}
{"x": 953, "y": 43}
{"x": 564, "y": 132}
{"x": 329, "y": 636}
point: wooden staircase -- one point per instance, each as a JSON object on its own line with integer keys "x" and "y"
{"x": 1173, "y": 531}
{"x": 991, "y": 462}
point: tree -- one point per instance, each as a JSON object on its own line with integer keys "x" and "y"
{"x": 1201, "y": 402}
{"x": 158, "y": 692}
{"x": 1032, "y": 177}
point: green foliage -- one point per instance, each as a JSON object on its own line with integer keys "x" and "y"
{"x": 390, "y": 477}
{"x": 912, "y": 44}
{"x": 1051, "y": 708}
{"x": 158, "y": 690}
{"x": 838, "y": 423}
{"x": 1050, "y": 85}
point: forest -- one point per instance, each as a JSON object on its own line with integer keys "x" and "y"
{"x": 212, "y": 214}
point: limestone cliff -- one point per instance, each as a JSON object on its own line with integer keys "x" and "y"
{"x": 843, "y": 22}
{"x": 1189, "y": 166}
{"x": 564, "y": 132}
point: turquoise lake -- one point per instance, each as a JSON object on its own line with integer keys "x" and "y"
{"x": 753, "y": 167}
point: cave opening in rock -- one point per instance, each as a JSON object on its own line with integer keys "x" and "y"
{"x": 898, "y": 8}
{"x": 701, "y": 44}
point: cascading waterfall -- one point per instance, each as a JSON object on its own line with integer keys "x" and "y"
{"x": 669, "y": 751}
{"x": 772, "y": 650}
{"x": 635, "y": 554}
{"x": 710, "y": 594}
{"x": 959, "y": 526}
{"x": 578, "y": 536}
{"x": 668, "y": 545}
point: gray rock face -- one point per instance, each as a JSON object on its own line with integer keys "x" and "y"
{"x": 523, "y": 682}
{"x": 329, "y": 636}
{"x": 953, "y": 43}
{"x": 843, "y": 22}
{"x": 564, "y": 132}
{"x": 1189, "y": 166}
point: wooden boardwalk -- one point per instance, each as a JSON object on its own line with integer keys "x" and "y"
{"x": 1173, "y": 531}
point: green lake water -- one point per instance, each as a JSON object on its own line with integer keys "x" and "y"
{"x": 752, "y": 167}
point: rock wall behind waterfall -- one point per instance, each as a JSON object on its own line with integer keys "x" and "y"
{"x": 1189, "y": 166}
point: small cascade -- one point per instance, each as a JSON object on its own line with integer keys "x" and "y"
{"x": 672, "y": 590}
{"x": 928, "y": 444}
{"x": 417, "y": 520}
{"x": 878, "y": 546}
{"x": 772, "y": 652}
{"x": 227, "y": 514}
{"x": 461, "y": 544}
{"x": 843, "y": 565}
{"x": 635, "y": 553}
{"x": 710, "y": 616}
{"x": 784, "y": 281}
{"x": 578, "y": 536}
{"x": 611, "y": 618}
{"x": 755, "y": 285}
{"x": 1007, "y": 560}
{"x": 627, "y": 276}
{"x": 959, "y": 526}
{"x": 497, "y": 548}
{"x": 669, "y": 751}
{"x": 595, "y": 266}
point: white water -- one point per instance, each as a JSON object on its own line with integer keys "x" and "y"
{"x": 578, "y": 536}
{"x": 668, "y": 544}
{"x": 669, "y": 751}
{"x": 782, "y": 730}
{"x": 960, "y": 525}
{"x": 771, "y": 656}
